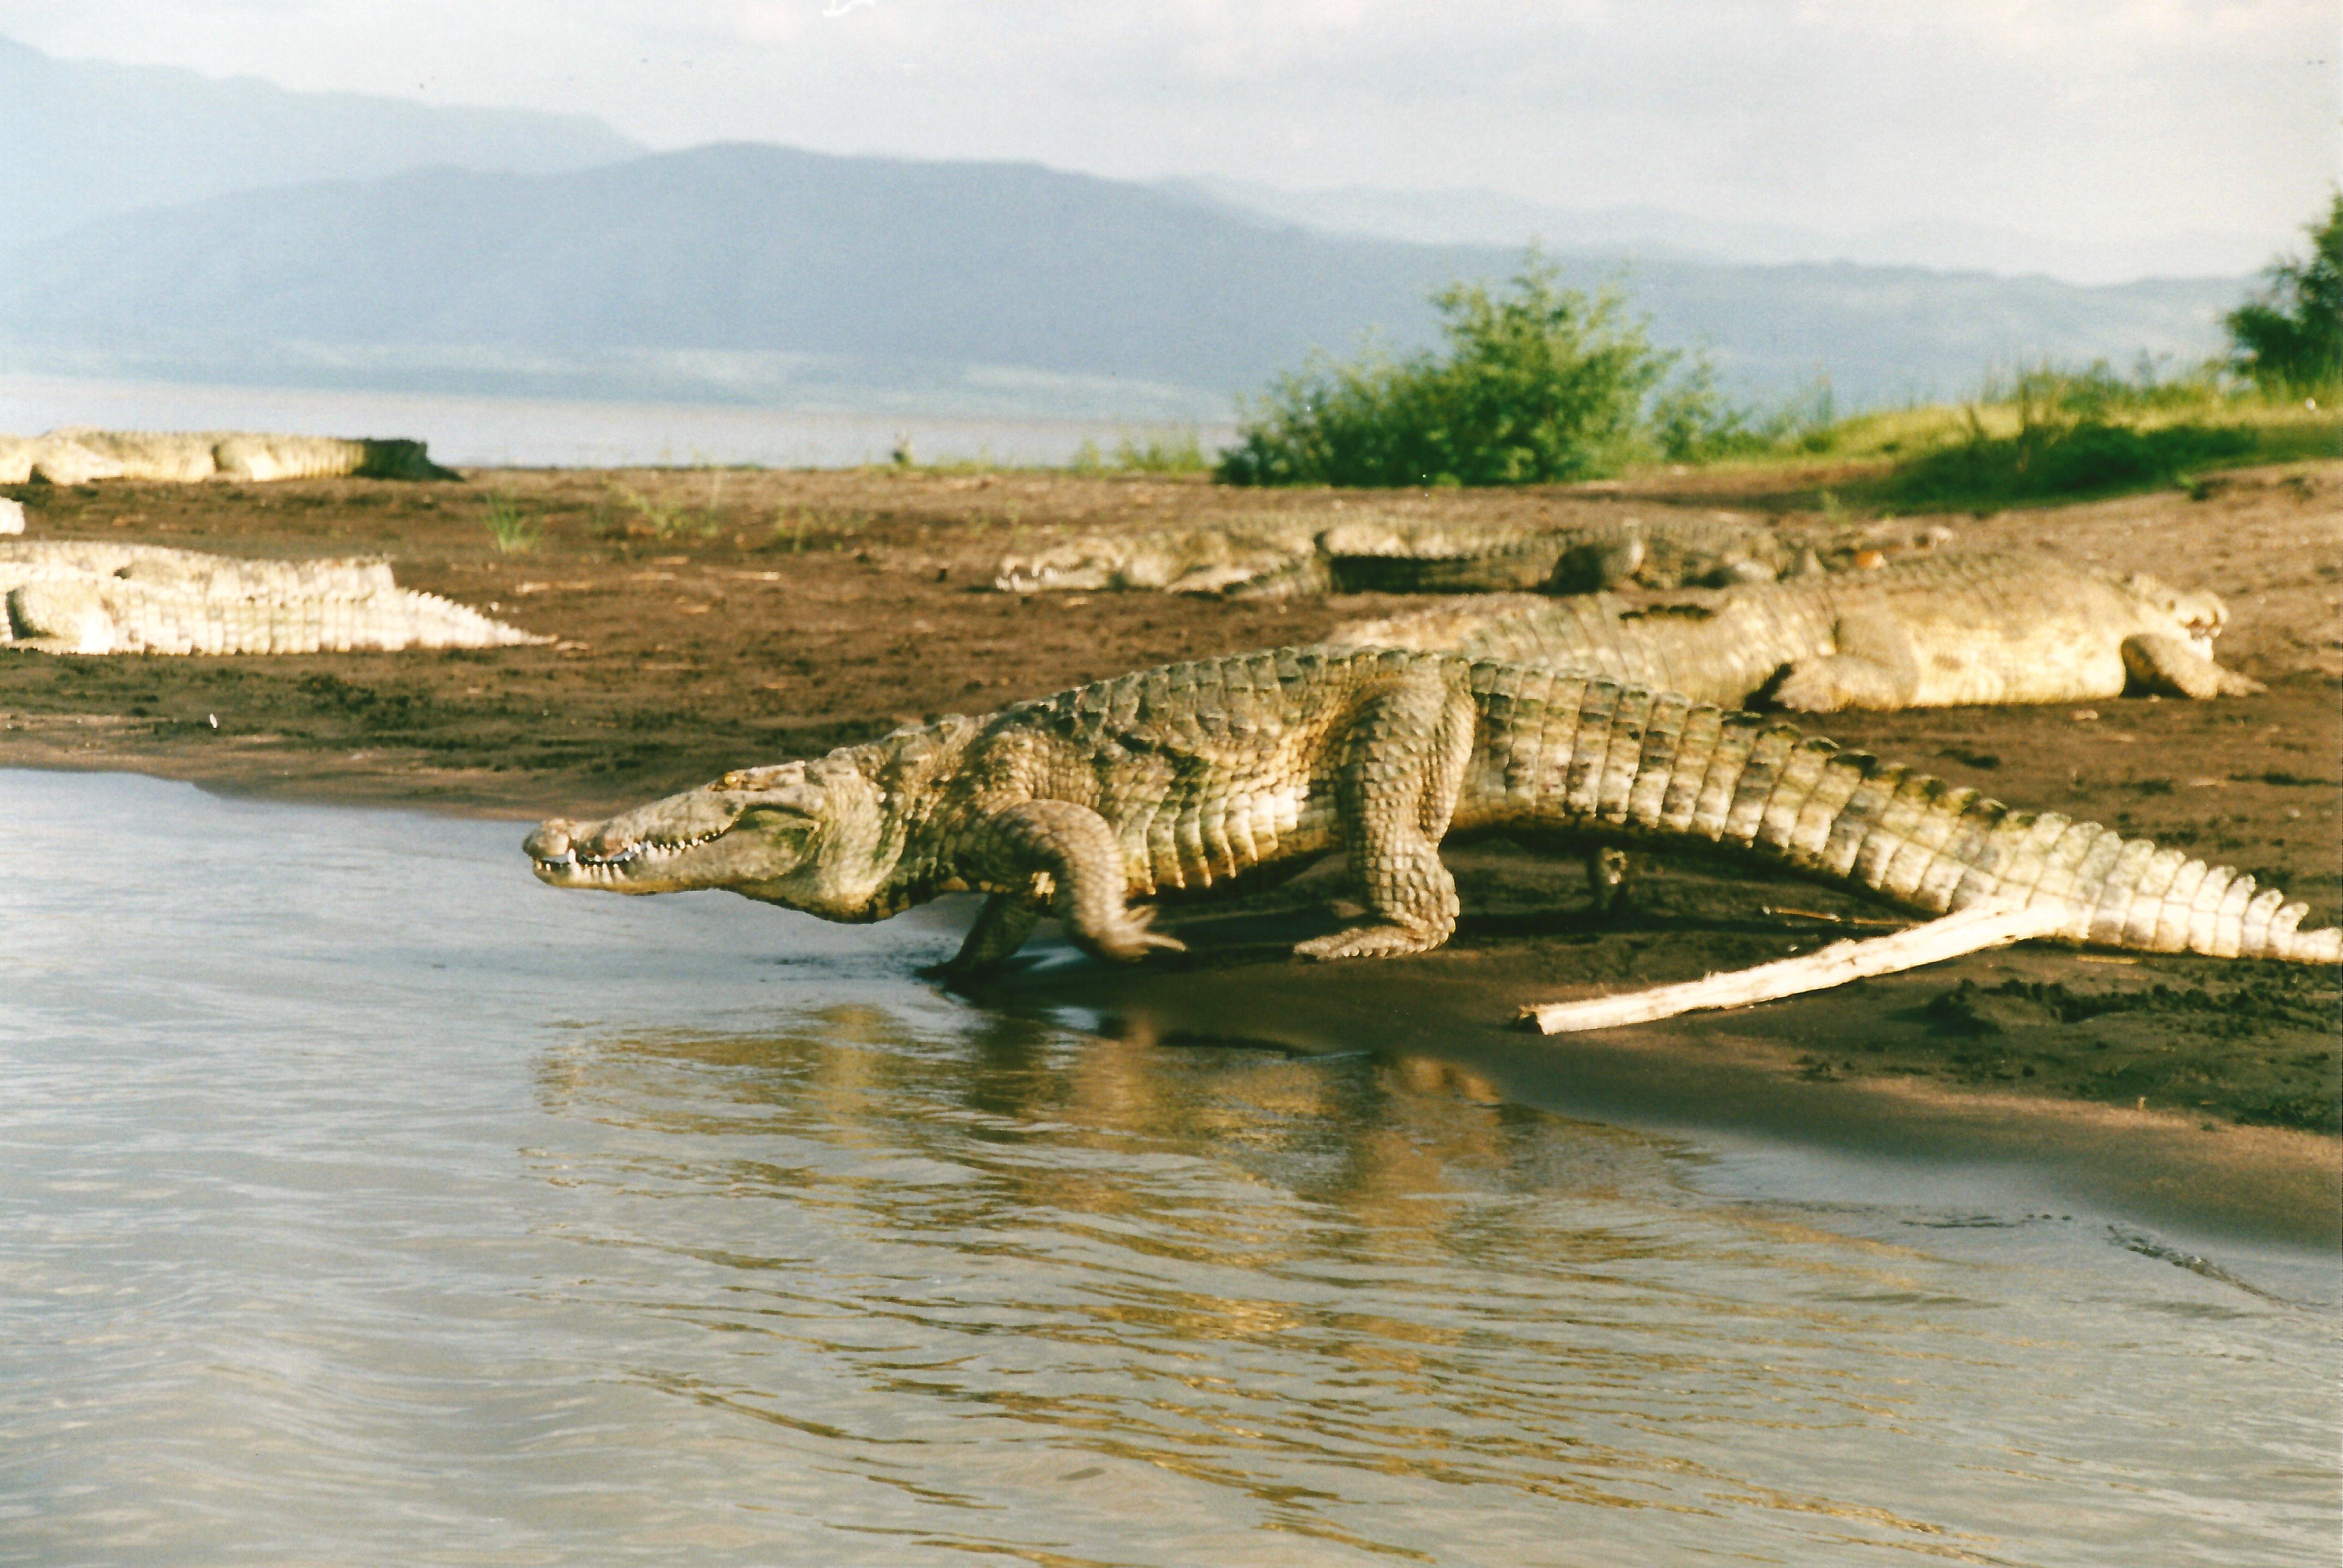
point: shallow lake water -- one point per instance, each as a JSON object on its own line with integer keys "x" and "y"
{"x": 363, "y": 1201}
{"x": 569, "y": 433}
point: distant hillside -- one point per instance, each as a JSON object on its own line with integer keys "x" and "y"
{"x": 715, "y": 272}
{"x": 1467, "y": 216}
{"x": 85, "y": 138}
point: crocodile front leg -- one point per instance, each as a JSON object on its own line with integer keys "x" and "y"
{"x": 1873, "y": 668}
{"x": 2163, "y": 662}
{"x": 1065, "y": 853}
{"x": 1394, "y": 793}
{"x": 1001, "y": 929}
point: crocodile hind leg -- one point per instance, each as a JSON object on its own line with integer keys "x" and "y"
{"x": 1873, "y": 668}
{"x": 1067, "y": 853}
{"x": 59, "y": 617}
{"x": 2162, "y": 662}
{"x": 1408, "y": 749}
{"x": 1001, "y": 929}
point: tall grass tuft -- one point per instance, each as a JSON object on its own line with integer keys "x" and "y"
{"x": 511, "y": 530}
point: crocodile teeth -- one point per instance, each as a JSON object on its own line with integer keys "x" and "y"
{"x": 638, "y": 850}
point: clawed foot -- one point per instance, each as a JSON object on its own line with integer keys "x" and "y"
{"x": 966, "y": 974}
{"x": 1808, "y": 689}
{"x": 1369, "y": 943}
{"x": 953, "y": 975}
{"x": 1129, "y": 941}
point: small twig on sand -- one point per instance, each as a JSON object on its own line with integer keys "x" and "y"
{"x": 1991, "y": 924}
{"x": 1783, "y": 912}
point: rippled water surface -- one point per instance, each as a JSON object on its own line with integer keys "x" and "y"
{"x": 362, "y": 1201}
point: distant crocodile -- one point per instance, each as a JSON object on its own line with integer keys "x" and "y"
{"x": 1921, "y": 633}
{"x": 1198, "y": 776}
{"x": 78, "y": 455}
{"x": 1270, "y": 553}
{"x": 78, "y": 598}
{"x": 1284, "y": 554}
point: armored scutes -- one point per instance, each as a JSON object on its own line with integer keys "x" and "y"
{"x": 78, "y": 455}
{"x": 1286, "y": 554}
{"x": 1921, "y": 633}
{"x": 71, "y": 596}
{"x": 1198, "y": 776}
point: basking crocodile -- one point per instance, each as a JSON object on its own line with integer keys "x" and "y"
{"x": 94, "y": 598}
{"x": 77, "y": 454}
{"x": 1920, "y": 633}
{"x": 1270, "y": 554}
{"x": 1285, "y": 554}
{"x": 1196, "y": 776}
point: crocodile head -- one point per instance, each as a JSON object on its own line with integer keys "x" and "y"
{"x": 806, "y": 835}
{"x": 1081, "y": 565}
{"x": 2201, "y": 614}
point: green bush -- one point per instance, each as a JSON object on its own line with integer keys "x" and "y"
{"x": 1542, "y": 384}
{"x": 2291, "y": 339}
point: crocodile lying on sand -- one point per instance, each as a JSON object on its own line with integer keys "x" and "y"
{"x": 1195, "y": 776}
{"x": 77, "y": 454}
{"x": 1285, "y": 554}
{"x": 83, "y": 598}
{"x": 1919, "y": 633}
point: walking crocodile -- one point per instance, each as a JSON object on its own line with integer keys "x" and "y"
{"x": 1920, "y": 633}
{"x": 90, "y": 598}
{"x": 77, "y": 454}
{"x": 1287, "y": 554}
{"x": 1199, "y": 776}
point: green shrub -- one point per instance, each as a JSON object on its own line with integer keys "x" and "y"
{"x": 2291, "y": 339}
{"x": 1542, "y": 384}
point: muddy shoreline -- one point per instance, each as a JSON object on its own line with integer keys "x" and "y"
{"x": 710, "y": 618}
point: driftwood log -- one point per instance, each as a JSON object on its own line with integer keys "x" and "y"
{"x": 1990, "y": 924}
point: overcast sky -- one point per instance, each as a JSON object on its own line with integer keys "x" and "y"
{"x": 2076, "y": 119}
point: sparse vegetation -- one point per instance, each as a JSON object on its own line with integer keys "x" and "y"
{"x": 796, "y": 529}
{"x": 2047, "y": 434}
{"x": 1539, "y": 383}
{"x": 667, "y": 520}
{"x": 1165, "y": 453}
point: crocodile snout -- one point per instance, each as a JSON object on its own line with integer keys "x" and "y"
{"x": 551, "y": 839}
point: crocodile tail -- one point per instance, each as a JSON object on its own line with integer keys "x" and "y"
{"x": 1656, "y": 766}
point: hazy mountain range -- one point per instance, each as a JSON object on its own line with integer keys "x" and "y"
{"x": 175, "y": 226}
{"x": 1491, "y": 217}
{"x": 88, "y": 138}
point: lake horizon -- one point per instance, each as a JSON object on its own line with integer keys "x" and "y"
{"x": 480, "y": 430}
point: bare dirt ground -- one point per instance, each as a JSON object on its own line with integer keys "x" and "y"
{"x": 711, "y": 619}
